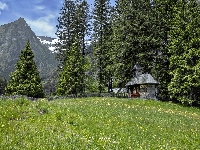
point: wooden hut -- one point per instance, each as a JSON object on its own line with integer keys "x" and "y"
{"x": 142, "y": 85}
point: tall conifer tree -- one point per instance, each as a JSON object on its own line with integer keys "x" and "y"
{"x": 71, "y": 77}
{"x": 72, "y": 30}
{"x": 25, "y": 80}
{"x": 163, "y": 13}
{"x": 82, "y": 22}
{"x": 83, "y": 28}
{"x": 133, "y": 38}
{"x": 101, "y": 16}
{"x": 184, "y": 47}
{"x": 65, "y": 31}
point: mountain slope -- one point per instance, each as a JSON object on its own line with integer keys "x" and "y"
{"x": 13, "y": 37}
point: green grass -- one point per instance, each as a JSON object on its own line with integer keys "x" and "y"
{"x": 97, "y": 123}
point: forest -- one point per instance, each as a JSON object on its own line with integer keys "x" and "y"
{"x": 162, "y": 35}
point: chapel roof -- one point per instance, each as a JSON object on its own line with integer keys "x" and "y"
{"x": 142, "y": 79}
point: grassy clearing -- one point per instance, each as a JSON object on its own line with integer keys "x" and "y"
{"x": 97, "y": 123}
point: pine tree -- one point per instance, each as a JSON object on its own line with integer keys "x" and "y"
{"x": 101, "y": 16}
{"x": 185, "y": 53}
{"x": 133, "y": 38}
{"x": 82, "y": 22}
{"x": 72, "y": 30}
{"x": 65, "y": 31}
{"x": 109, "y": 43}
{"x": 163, "y": 13}
{"x": 72, "y": 75}
{"x": 25, "y": 80}
{"x": 82, "y": 29}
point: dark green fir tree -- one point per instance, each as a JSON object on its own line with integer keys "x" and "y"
{"x": 25, "y": 80}
{"x": 163, "y": 15}
{"x": 65, "y": 31}
{"x": 184, "y": 47}
{"x": 72, "y": 30}
{"x": 133, "y": 37}
{"x": 72, "y": 75}
{"x": 102, "y": 15}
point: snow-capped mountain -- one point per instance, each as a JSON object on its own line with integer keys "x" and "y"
{"x": 13, "y": 38}
{"x": 49, "y": 42}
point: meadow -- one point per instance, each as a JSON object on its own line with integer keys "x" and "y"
{"x": 97, "y": 123}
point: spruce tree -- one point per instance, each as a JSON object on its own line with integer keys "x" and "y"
{"x": 72, "y": 30}
{"x": 82, "y": 29}
{"x": 82, "y": 22}
{"x": 133, "y": 38}
{"x": 74, "y": 20}
{"x": 109, "y": 43}
{"x": 185, "y": 53}
{"x": 25, "y": 80}
{"x": 101, "y": 16}
{"x": 65, "y": 31}
{"x": 72, "y": 75}
{"x": 163, "y": 13}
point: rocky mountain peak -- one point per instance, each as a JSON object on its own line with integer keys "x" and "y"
{"x": 13, "y": 38}
{"x": 21, "y": 20}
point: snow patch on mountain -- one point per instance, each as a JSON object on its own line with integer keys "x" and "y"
{"x": 49, "y": 42}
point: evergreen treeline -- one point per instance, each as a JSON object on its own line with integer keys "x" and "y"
{"x": 162, "y": 35}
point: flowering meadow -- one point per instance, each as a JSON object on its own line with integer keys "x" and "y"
{"x": 97, "y": 123}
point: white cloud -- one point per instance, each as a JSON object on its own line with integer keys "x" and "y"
{"x": 3, "y": 6}
{"x": 43, "y": 26}
{"x": 39, "y": 7}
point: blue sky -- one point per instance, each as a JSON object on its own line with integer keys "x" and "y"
{"x": 41, "y": 15}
